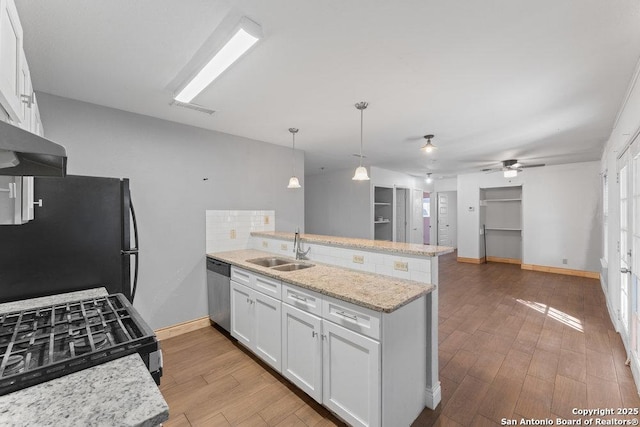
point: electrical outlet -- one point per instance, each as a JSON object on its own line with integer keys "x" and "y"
{"x": 265, "y": 244}
{"x": 232, "y": 233}
{"x": 284, "y": 247}
{"x": 401, "y": 266}
{"x": 358, "y": 259}
{"x": 266, "y": 219}
{"x": 565, "y": 261}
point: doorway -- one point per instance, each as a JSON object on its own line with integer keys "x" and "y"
{"x": 426, "y": 218}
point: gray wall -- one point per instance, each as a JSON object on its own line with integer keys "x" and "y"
{"x": 166, "y": 163}
{"x": 335, "y": 205}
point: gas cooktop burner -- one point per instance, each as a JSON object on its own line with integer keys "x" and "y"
{"x": 40, "y": 344}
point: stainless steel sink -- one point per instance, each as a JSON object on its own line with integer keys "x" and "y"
{"x": 269, "y": 261}
{"x": 292, "y": 267}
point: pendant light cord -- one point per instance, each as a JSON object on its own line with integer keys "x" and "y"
{"x": 293, "y": 149}
{"x": 361, "y": 128}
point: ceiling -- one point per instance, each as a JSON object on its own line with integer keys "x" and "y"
{"x": 540, "y": 80}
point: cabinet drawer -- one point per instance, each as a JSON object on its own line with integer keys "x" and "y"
{"x": 351, "y": 316}
{"x": 267, "y": 286}
{"x": 241, "y": 276}
{"x": 303, "y": 299}
{"x": 257, "y": 282}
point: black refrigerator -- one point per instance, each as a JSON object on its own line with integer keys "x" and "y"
{"x": 80, "y": 238}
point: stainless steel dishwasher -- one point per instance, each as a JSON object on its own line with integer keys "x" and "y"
{"x": 218, "y": 278}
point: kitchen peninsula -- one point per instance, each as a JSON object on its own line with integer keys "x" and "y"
{"x": 354, "y": 325}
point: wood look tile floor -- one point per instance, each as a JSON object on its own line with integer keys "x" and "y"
{"x": 513, "y": 344}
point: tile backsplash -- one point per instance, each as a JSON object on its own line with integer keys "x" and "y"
{"x": 231, "y": 230}
{"x": 387, "y": 264}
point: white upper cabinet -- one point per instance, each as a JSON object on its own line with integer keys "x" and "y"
{"x": 26, "y": 95}
{"x": 11, "y": 54}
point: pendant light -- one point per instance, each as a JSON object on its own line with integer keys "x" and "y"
{"x": 293, "y": 181}
{"x": 428, "y": 147}
{"x": 429, "y": 179}
{"x": 361, "y": 172}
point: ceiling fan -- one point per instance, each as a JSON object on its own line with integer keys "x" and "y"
{"x": 511, "y": 168}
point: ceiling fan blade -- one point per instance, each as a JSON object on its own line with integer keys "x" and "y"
{"x": 533, "y": 166}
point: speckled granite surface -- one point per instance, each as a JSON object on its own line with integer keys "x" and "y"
{"x": 377, "y": 292}
{"x": 116, "y": 393}
{"x": 373, "y": 245}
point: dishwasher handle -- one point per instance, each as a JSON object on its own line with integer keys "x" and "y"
{"x": 219, "y": 267}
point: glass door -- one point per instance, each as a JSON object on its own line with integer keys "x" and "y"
{"x": 634, "y": 250}
{"x": 625, "y": 237}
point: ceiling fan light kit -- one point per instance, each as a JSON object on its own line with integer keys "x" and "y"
{"x": 429, "y": 179}
{"x": 361, "y": 172}
{"x": 510, "y": 173}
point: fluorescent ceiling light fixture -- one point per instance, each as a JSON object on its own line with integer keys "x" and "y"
{"x": 244, "y": 37}
{"x": 510, "y": 173}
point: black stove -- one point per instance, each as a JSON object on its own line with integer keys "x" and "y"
{"x": 44, "y": 343}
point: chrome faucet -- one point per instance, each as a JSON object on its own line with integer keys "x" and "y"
{"x": 300, "y": 254}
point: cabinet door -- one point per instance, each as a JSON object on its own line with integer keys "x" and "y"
{"x": 268, "y": 332}
{"x": 302, "y": 350}
{"x": 26, "y": 91}
{"x": 10, "y": 55}
{"x": 351, "y": 375}
{"x": 242, "y": 314}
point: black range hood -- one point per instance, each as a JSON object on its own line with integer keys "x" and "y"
{"x": 24, "y": 153}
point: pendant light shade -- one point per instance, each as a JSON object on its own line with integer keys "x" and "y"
{"x": 428, "y": 147}
{"x": 293, "y": 181}
{"x": 361, "y": 172}
{"x": 429, "y": 179}
{"x": 510, "y": 173}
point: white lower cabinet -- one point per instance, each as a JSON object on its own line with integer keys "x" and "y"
{"x": 337, "y": 367}
{"x": 351, "y": 375}
{"x": 368, "y": 367}
{"x": 302, "y": 350}
{"x": 255, "y": 322}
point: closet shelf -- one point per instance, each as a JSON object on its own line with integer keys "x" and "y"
{"x": 502, "y": 200}
{"x": 503, "y": 228}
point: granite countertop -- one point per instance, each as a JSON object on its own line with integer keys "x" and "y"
{"x": 374, "y": 291}
{"x": 117, "y": 393}
{"x": 372, "y": 245}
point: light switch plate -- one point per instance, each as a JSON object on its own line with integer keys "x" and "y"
{"x": 401, "y": 266}
{"x": 358, "y": 259}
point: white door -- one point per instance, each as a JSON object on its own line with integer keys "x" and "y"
{"x": 417, "y": 220}
{"x": 302, "y": 350}
{"x": 241, "y": 314}
{"x": 444, "y": 238}
{"x": 351, "y": 385}
{"x": 268, "y": 332}
{"x": 10, "y": 52}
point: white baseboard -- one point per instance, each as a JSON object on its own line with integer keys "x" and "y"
{"x": 433, "y": 396}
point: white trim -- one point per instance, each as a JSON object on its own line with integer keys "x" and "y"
{"x": 433, "y": 396}
{"x": 634, "y": 80}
